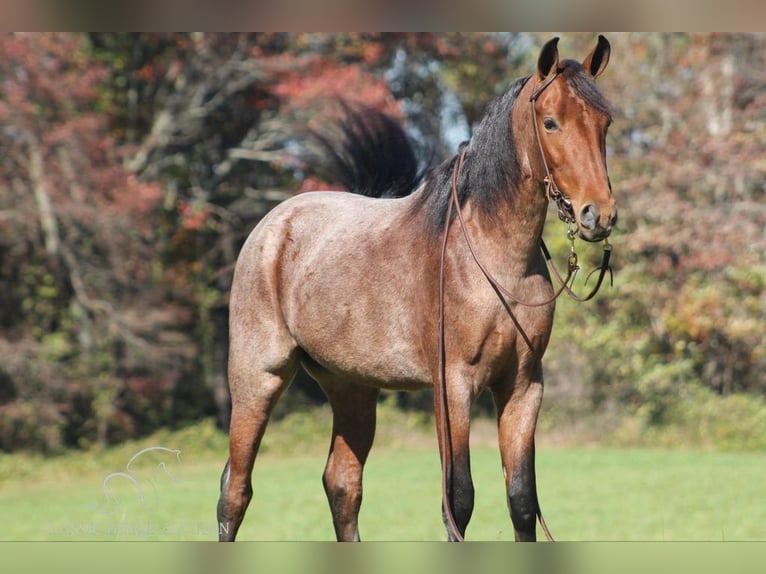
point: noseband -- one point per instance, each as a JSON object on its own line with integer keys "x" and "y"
{"x": 566, "y": 214}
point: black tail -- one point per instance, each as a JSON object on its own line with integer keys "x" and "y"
{"x": 372, "y": 155}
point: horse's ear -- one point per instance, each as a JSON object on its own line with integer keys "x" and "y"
{"x": 596, "y": 61}
{"x": 549, "y": 58}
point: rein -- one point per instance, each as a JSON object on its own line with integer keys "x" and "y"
{"x": 566, "y": 214}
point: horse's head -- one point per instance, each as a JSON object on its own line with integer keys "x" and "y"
{"x": 571, "y": 117}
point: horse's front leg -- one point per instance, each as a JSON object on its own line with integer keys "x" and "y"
{"x": 453, "y": 434}
{"x": 518, "y": 403}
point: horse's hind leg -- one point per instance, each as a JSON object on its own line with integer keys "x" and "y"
{"x": 353, "y": 431}
{"x": 517, "y": 409}
{"x": 254, "y": 395}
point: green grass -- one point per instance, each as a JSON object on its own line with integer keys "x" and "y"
{"x": 586, "y": 493}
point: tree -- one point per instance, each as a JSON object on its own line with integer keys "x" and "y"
{"x": 685, "y": 163}
{"x": 76, "y": 252}
{"x": 134, "y": 165}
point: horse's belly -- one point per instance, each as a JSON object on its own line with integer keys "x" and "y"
{"x": 382, "y": 378}
{"x": 362, "y": 352}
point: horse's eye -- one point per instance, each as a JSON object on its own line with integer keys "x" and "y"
{"x": 550, "y": 124}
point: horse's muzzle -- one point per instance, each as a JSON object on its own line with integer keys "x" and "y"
{"x": 593, "y": 225}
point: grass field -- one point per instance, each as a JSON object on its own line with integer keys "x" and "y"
{"x": 586, "y": 493}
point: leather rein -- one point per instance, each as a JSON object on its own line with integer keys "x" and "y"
{"x": 566, "y": 214}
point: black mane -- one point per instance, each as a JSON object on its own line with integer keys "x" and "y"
{"x": 491, "y": 169}
{"x": 585, "y": 86}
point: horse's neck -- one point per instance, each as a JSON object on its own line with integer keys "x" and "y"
{"x": 512, "y": 232}
{"x": 511, "y": 235}
{"x": 524, "y": 218}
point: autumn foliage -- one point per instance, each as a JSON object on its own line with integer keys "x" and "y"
{"x": 132, "y": 166}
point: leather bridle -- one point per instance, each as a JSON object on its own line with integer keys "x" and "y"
{"x": 552, "y": 192}
{"x": 566, "y": 214}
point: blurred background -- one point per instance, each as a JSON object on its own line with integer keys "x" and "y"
{"x": 132, "y": 167}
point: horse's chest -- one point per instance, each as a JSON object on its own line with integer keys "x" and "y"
{"x": 507, "y": 337}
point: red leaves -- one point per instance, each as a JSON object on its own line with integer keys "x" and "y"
{"x": 193, "y": 216}
{"x": 326, "y": 79}
{"x": 313, "y": 184}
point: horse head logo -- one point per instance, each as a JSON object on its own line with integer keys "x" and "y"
{"x": 142, "y": 470}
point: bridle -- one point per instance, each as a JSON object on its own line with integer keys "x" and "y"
{"x": 566, "y": 214}
{"x": 552, "y": 192}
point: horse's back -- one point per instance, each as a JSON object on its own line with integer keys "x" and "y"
{"x": 337, "y": 276}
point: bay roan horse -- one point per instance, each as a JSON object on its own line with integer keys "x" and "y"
{"x": 348, "y": 285}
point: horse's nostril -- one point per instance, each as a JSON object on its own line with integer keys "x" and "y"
{"x": 613, "y": 220}
{"x": 589, "y": 216}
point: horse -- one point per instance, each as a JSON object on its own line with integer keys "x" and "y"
{"x": 396, "y": 285}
